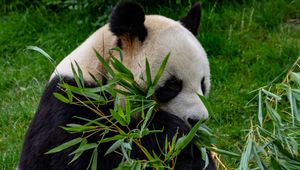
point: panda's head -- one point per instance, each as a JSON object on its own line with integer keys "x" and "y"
{"x": 143, "y": 36}
{"x": 187, "y": 72}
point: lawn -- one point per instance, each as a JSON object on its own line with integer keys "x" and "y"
{"x": 249, "y": 44}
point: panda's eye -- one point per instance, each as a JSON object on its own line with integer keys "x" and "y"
{"x": 171, "y": 89}
{"x": 203, "y": 87}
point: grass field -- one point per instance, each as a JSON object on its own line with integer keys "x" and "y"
{"x": 249, "y": 43}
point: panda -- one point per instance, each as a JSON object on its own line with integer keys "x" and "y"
{"x": 139, "y": 36}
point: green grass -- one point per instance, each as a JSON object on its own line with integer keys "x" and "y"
{"x": 248, "y": 44}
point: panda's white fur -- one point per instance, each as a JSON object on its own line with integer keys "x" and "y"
{"x": 140, "y": 37}
{"x": 188, "y": 61}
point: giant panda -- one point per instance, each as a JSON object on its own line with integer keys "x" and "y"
{"x": 139, "y": 36}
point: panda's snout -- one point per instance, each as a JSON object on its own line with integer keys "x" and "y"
{"x": 192, "y": 121}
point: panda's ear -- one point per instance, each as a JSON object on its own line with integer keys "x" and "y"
{"x": 192, "y": 20}
{"x": 127, "y": 19}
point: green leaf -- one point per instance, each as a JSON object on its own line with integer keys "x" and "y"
{"x": 76, "y": 77}
{"x": 284, "y": 151}
{"x": 161, "y": 69}
{"x": 183, "y": 141}
{"x": 116, "y": 115}
{"x": 80, "y": 74}
{"x": 127, "y": 146}
{"x": 224, "y": 152}
{"x": 295, "y": 109}
{"x": 104, "y": 64}
{"x": 278, "y": 98}
{"x": 148, "y": 74}
{"x": 78, "y": 128}
{"x": 295, "y": 76}
{"x": 113, "y": 138}
{"x": 147, "y": 118}
{"x": 78, "y": 154}
{"x": 246, "y": 153}
{"x": 166, "y": 145}
{"x": 114, "y": 146}
{"x": 206, "y": 104}
{"x": 204, "y": 157}
{"x": 260, "y": 116}
{"x": 275, "y": 164}
{"x": 94, "y": 160}
{"x": 37, "y": 49}
{"x": 258, "y": 159}
{"x": 121, "y": 54}
{"x": 273, "y": 113}
{"x": 128, "y": 111}
{"x": 121, "y": 68}
{"x": 85, "y": 148}
{"x": 296, "y": 93}
{"x": 61, "y": 97}
{"x": 70, "y": 95}
{"x": 65, "y": 145}
{"x": 290, "y": 97}
{"x": 143, "y": 107}
{"x": 137, "y": 166}
{"x": 151, "y": 91}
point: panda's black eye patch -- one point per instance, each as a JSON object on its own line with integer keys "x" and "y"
{"x": 171, "y": 88}
{"x": 203, "y": 87}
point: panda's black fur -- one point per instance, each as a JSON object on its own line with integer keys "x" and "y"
{"x": 45, "y": 132}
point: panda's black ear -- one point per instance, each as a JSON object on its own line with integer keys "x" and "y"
{"x": 192, "y": 20}
{"x": 128, "y": 18}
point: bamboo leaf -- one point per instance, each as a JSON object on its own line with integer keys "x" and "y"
{"x": 150, "y": 92}
{"x": 78, "y": 154}
{"x": 128, "y": 111}
{"x": 278, "y": 98}
{"x": 290, "y": 97}
{"x": 61, "y": 97}
{"x": 204, "y": 157}
{"x": 273, "y": 113}
{"x": 127, "y": 146}
{"x": 121, "y": 54}
{"x": 41, "y": 51}
{"x": 161, "y": 69}
{"x": 296, "y": 93}
{"x": 260, "y": 116}
{"x": 65, "y": 145}
{"x": 76, "y": 77}
{"x": 94, "y": 160}
{"x": 224, "y": 152}
{"x": 206, "y": 104}
{"x": 295, "y": 109}
{"x": 121, "y": 68}
{"x": 259, "y": 161}
{"x": 244, "y": 162}
{"x": 295, "y": 76}
{"x": 113, "y": 138}
{"x": 80, "y": 74}
{"x": 275, "y": 164}
{"x": 182, "y": 142}
{"x": 104, "y": 64}
{"x": 148, "y": 74}
{"x": 147, "y": 118}
{"x": 114, "y": 146}
{"x": 85, "y": 148}
{"x": 117, "y": 116}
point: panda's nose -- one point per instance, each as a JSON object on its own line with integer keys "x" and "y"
{"x": 192, "y": 121}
